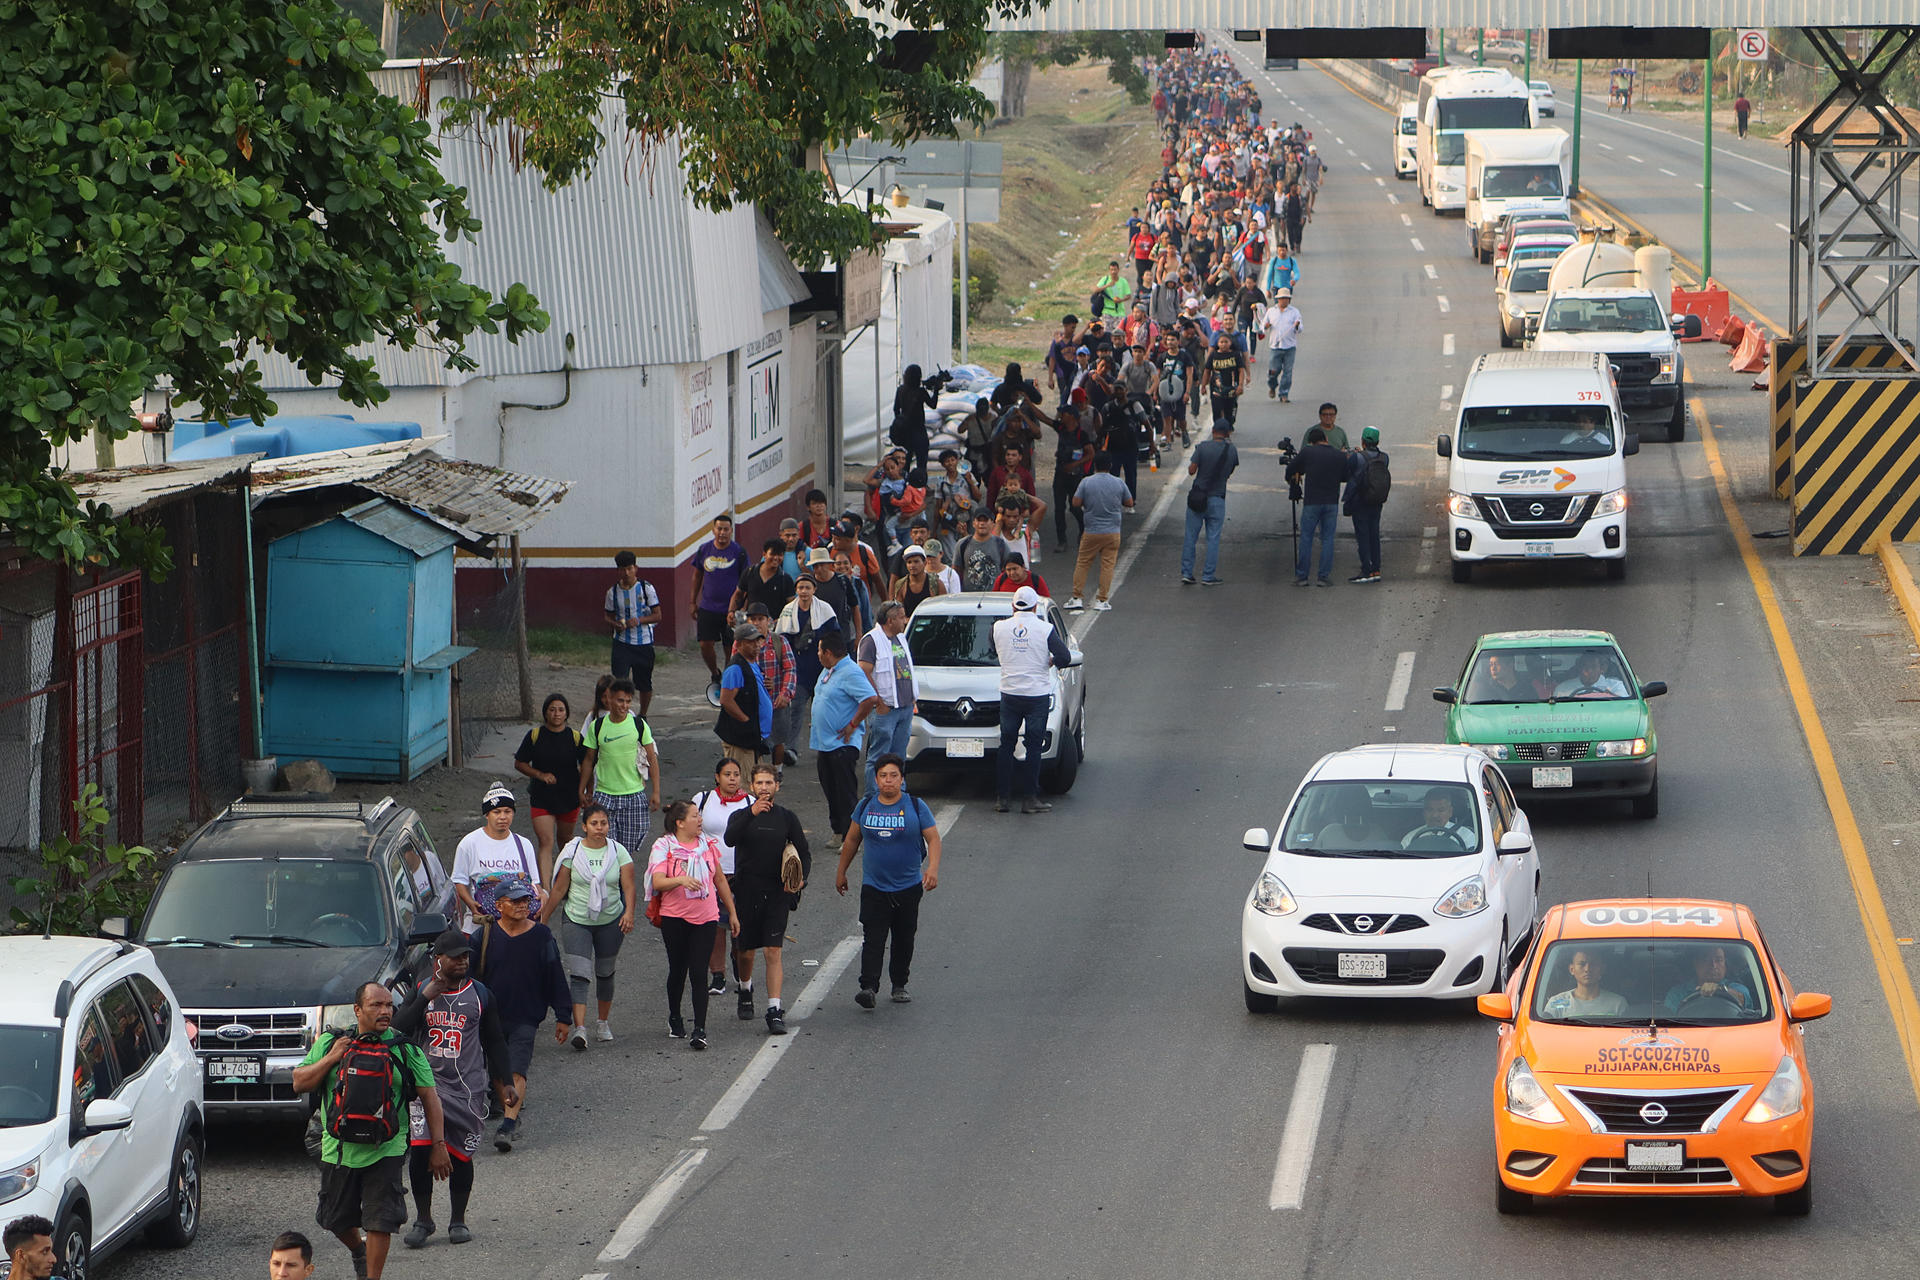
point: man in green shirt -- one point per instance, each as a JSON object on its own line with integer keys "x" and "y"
{"x": 611, "y": 774}
{"x": 1111, "y": 291}
{"x": 360, "y": 1182}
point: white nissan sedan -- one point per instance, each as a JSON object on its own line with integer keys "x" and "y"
{"x": 1400, "y": 870}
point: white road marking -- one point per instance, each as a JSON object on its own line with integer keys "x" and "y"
{"x": 1379, "y": 180}
{"x": 1363, "y": 163}
{"x": 1726, "y": 153}
{"x": 1445, "y": 306}
{"x": 1406, "y": 219}
{"x": 1417, "y": 246}
{"x": 1744, "y": 208}
{"x": 1433, "y": 273}
{"x": 1670, "y": 173}
{"x": 768, "y": 1056}
{"x": 1784, "y": 227}
{"x": 1636, "y": 159}
{"x": 1699, "y": 186}
{"x": 1446, "y": 344}
{"x": 1297, "y": 1140}
{"x": 1132, "y": 545}
{"x": 1340, "y": 142}
{"x": 1431, "y": 531}
{"x": 1446, "y": 394}
{"x": 1402, "y": 681}
{"x": 1607, "y": 146}
{"x": 634, "y": 1229}
{"x": 1427, "y": 535}
{"x": 1394, "y": 199}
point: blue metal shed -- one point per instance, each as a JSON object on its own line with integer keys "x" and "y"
{"x": 359, "y": 643}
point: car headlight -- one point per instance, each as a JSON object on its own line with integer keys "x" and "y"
{"x": 1611, "y": 504}
{"x": 1666, "y": 370}
{"x": 336, "y": 1017}
{"x": 19, "y": 1180}
{"x": 1467, "y": 898}
{"x": 1623, "y": 747}
{"x": 1516, "y": 310}
{"x": 1272, "y": 898}
{"x": 1494, "y": 750}
{"x": 1445, "y": 186}
{"x": 1525, "y": 1097}
{"x": 1463, "y": 505}
{"x": 1783, "y": 1096}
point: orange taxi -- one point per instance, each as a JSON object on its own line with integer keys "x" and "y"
{"x": 1652, "y": 1047}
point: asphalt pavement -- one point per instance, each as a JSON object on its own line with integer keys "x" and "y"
{"x": 1076, "y": 1090}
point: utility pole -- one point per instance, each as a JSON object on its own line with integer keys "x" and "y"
{"x": 1480, "y": 54}
{"x": 1528, "y": 73}
{"x": 390, "y": 29}
{"x": 963, "y": 267}
{"x": 1579, "y": 86}
{"x": 1706, "y": 173}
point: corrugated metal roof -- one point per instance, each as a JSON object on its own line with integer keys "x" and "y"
{"x": 338, "y": 466}
{"x": 1157, "y": 15}
{"x": 400, "y": 526}
{"x": 781, "y": 285}
{"x": 131, "y": 489}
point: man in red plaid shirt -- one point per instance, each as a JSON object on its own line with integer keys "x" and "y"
{"x": 777, "y": 671}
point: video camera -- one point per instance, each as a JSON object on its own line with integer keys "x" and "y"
{"x": 939, "y": 380}
{"x": 1287, "y": 456}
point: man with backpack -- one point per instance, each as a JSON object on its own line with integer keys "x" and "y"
{"x": 1367, "y": 485}
{"x": 363, "y": 1078}
{"x": 902, "y": 865}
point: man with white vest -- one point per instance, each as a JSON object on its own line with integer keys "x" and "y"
{"x": 1027, "y": 645}
{"x": 884, "y": 657}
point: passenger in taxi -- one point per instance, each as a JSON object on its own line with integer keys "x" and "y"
{"x": 1587, "y": 998}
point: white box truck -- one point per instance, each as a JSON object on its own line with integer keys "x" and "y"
{"x": 1514, "y": 171}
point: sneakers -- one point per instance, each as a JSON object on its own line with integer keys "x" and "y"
{"x": 1284, "y": 400}
{"x": 578, "y": 1040}
{"x": 1102, "y": 606}
{"x": 1323, "y": 582}
{"x": 359, "y": 1257}
{"x": 1273, "y": 393}
{"x": 792, "y": 756}
{"x": 1001, "y": 805}
{"x": 457, "y": 1233}
{"x": 776, "y": 1021}
{"x": 699, "y": 1040}
{"x": 867, "y": 998}
{"x": 416, "y": 1237}
{"x": 1213, "y": 582}
{"x": 900, "y": 995}
{"x": 604, "y": 1031}
{"x": 746, "y": 1005}
{"x": 503, "y": 1138}
{"x": 1187, "y": 579}
{"x": 717, "y": 982}
{"x": 1364, "y": 578}
{"x": 676, "y": 1029}
{"x": 1075, "y": 603}
{"x": 1300, "y": 582}
{"x": 1034, "y": 804}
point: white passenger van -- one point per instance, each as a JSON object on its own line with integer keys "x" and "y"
{"x": 1406, "y": 127}
{"x": 1538, "y": 467}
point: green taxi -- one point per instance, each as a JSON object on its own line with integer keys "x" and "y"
{"x": 1562, "y": 714}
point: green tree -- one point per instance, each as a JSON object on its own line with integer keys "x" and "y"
{"x": 1021, "y": 51}
{"x": 190, "y": 182}
{"x": 746, "y": 86}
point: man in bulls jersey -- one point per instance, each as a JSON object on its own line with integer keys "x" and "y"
{"x": 454, "y": 1019}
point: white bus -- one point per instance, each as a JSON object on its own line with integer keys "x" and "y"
{"x": 1453, "y": 100}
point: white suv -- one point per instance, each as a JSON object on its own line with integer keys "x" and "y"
{"x": 101, "y": 1122}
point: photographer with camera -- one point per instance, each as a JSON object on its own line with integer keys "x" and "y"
{"x": 1321, "y": 470}
{"x": 910, "y": 405}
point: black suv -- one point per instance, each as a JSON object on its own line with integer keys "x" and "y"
{"x": 272, "y": 915}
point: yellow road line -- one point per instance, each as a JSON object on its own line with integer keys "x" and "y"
{"x": 1615, "y": 211}
{"x": 1894, "y": 981}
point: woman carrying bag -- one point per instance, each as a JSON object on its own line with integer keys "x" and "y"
{"x": 684, "y": 879}
{"x": 594, "y": 891}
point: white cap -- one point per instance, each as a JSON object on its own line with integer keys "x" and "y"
{"x": 1026, "y": 598}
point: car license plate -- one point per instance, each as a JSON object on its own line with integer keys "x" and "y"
{"x": 1540, "y": 548}
{"x": 1360, "y": 964}
{"x": 1559, "y": 775}
{"x": 233, "y": 1068}
{"x": 1669, "y": 1156}
{"x": 966, "y": 748}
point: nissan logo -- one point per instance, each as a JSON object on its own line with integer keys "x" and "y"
{"x": 1537, "y": 509}
{"x": 1363, "y": 923}
{"x": 1553, "y": 751}
{"x": 234, "y": 1031}
{"x": 1653, "y": 1113}
{"x": 964, "y": 708}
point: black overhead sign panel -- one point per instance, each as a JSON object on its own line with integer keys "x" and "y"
{"x": 1335, "y": 42}
{"x": 1613, "y": 43}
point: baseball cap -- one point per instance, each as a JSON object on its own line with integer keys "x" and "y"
{"x": 1370, "y": 435}
{"x": 911, "y": 552}
{"x": 1026, "y": 598}
{"x": 451, "y": 943}
{"x": 1083, "y": 351}
{"x": 847, "y": 528}
{"x": 819, "y": 555}
{"x": 758, "y": 609}
{"x": 746, "y": 631}
{"x": 789, "y": 523}
{"x": 513, "y": 889}
{"x": 499, "y": 796}
{"x": 1223, "y": 425}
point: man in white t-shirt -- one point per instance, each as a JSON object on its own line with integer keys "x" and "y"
{"x": 490, "y": 853}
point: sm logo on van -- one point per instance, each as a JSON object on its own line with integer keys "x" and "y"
{"x": 1558, "y": 477}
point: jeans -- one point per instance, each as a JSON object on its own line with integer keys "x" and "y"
{"x": 1324, "y": 517}
{"x": 1366, "y": 532}
{"x": 1021, "y": 712}
{"x": 1213, "y": 520}
{"x": 1280, "y": 370}
{"x": 839, "y": 772}
{"x": 883, "y": 913}
{"x": 887, "y": 731}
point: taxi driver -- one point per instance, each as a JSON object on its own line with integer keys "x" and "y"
{"x": 1587, "y": 998}
{"x": 1439, "y": 827}
{"x": 1709, "y": 983}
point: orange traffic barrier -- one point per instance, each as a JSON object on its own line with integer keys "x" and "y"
{"x": 1710, "y": 303}
{"x": 1732, "y": 331}
{"x": 1751, "y": 355}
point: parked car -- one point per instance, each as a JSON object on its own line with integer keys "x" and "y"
{"x": 101, "y": 1120}
{"x": 269, "y": 919}
{"x": 958, "y": 721}
{"x": 1543, "y": 104}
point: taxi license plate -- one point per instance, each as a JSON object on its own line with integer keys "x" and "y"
{"x": 235, "y": 1069}
{"x": 966, "y": 748}
{"x": 1540, "y": 548}
{"x": 1358, "y": 964}
{"x": 1669, "y": 1156}
{"x": 1553, "y": 776}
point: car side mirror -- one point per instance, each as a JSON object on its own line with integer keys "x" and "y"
{"x": 1443, "y": 445}
{"x": 427, "y": 927}
{"x": 107, "y": 1115}
{"x": 1685, "y": 325}
{"x": 1515, "y": 843}
{"x": 1447, "y": 695}
{"x": 1496, "y": 1004}
{"x": 1806, "y": 1006}
{"x": 1078, "y": 658}
{"x": 115, "y": 927}
{"x": 1473, "y": 193}
{"x": 1256, "y": 839}
{"x": 1632, "y": 446}
{"x": 1653, "y": 689}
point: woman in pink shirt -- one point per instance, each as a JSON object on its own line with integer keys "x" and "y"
{"x": 684, "y": 869}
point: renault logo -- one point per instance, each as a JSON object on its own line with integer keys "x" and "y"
{"x": 964, "y": 708}
{"x": 1653, "y": 1113}
{"x": 1363, "y": 923}
{"x": 1537, "y": 510}
{"x": 234, "y": 1031}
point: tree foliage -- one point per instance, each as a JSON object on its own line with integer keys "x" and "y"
{"x": 190, "y": 182}
{"x": 1121, "y": 50}
{"x": 745, "y": 86}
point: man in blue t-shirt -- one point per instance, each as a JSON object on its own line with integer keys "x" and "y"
{"x": 842, "y": 700}
{"x": 899, "y": 834}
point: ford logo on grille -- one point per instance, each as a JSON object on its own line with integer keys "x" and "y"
{"x": 1363, "y": 923}
{"x": 234, "y": 1031}
{"x": 964, "y": 708}
{"x": 1653, "y": 1113}
{"x": 1537, "y": 509}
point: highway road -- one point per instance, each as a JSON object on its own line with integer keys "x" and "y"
{"x": 1077, "y": 1090}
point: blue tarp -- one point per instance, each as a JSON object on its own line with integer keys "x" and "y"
{"x": 283, "y": 437}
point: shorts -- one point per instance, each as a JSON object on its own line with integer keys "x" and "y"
{"x": 634, "y": 662}
{"x": 763, "y": 918}
{"x": 710, "y": 625}
{"x": 520, "y": 1038}
{"x": 372, "y": 1198}
{"x": 571, "y": 815}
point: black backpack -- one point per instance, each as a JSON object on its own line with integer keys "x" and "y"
{"x": 362, "y": 1106}
{"x": 1375, "y": 481}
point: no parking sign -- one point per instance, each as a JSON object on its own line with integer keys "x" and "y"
{"x": 1751, "y": 44}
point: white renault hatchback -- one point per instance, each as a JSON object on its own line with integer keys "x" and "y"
{"x": 1400, "y": 870}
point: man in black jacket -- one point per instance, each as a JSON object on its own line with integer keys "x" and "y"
{"x": 837, "y": 594}
{"x": 1321, "y": 469}
{"x": 760, "y": 834}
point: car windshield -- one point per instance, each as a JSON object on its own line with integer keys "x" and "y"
{"x": 29, "y": 1075}
{"x": 1546, "y": 675}
{"x": 1539, "y": 86}
{"x": 1529, "y": 279}
{"x": 952, "y": 640}
{"x": 1408, "y": 125}
{"x": 265, "y": 902}
{"x": 1520, "y": 180}
{"x": 1484, "y": 113}
{"x": 1638, "y": 982}
{"x": 1603, "y": 315}
{"x": 1383, "y": 819}
{"x": 1535, "y": 433}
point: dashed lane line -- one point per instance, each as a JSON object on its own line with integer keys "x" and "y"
{"x": 1402, "y": 681}
{"x": 1445, "y": 306}
{"x": 1446, "y": 344}
{"x": 1297, "y": 1140}
{"x": 1433, "y": 272}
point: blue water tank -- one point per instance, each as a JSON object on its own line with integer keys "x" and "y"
{"x": 283, "y": 437}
